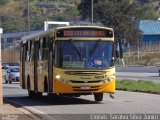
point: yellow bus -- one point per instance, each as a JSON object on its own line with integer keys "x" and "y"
{"x": 71, "y": 61}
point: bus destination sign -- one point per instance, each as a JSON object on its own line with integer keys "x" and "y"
{"x": 84, "y": 33}
{"x": 69, "y": 33}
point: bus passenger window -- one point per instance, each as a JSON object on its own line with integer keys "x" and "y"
{"x": 32, "y": 51}
{"x": 40, "y": 48}
{"x": 44, "y": 49}
{"x": 27, "y": 51}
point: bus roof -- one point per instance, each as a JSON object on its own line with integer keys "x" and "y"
{"x": 42, "y": 33}
{"x": 36, "y": 35}
{"x": 66, "y": 27}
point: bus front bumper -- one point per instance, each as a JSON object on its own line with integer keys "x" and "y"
{"x": 60, "y": 88}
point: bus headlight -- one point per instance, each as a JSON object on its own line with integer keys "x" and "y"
{"x": 58, "y": 76}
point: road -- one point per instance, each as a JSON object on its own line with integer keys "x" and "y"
{"x": 64, "y": 108}
{"x": 124, "y": 102}
{"x": 138, "y": 73}
{"x": 138, "y": 76}
{"x": 136, "y": 69}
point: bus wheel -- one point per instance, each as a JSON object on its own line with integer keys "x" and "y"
{"x": 31, "y": 94}
{"x": 38, "y": 94}
{"x": 98, "y": 96}
{"x": 6, "y": 81}
{"x": 45, "y": 85}
{"x": 34, "y": 95}
{"x": 10, "y": 80}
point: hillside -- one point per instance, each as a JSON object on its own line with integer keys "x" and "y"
{"x": 13, "y": 13}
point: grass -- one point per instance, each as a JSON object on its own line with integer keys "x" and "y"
{"x": 138, "y": 86}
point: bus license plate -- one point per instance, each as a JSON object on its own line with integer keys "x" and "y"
{"x": 85, "y": 87}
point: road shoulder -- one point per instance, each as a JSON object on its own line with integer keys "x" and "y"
{"x": 8, "y": 111}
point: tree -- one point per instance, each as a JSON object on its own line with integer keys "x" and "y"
{"x": 3, "y": 2}
{"x": 146, "y": 11}
{"x": 14, "y": 25}
{"x": 121, "y": 15}
{"x": 85, "y": 8}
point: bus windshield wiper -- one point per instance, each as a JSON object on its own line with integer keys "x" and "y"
{"x": 77, "y": 50}
{"x": 94, "y": 48}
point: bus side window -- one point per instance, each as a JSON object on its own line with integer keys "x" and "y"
{"x": 40, "y": 48}
{"x": 44, "y": 48}
{"x": 47, "y": 48}
{"x": 27, "y": 51}
{"x": 32, "y": 51}
{"x": 21, "y": 52}
{"x": 38, "y": 52}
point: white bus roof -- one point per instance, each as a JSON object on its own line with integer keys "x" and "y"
{"x": 36, "y": 35}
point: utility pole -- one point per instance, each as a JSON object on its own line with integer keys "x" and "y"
{"x": 28, "y": 9}
{"x": 1, "y": 93}
{"x": 92, "y": 12}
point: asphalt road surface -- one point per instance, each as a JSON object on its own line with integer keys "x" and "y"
{"x": 64, "y": 108}
{"x": 138, "y": 73}
{"x": 136, "y": 69}
{"x": 138, "y": 76}
{"x": 124, "y": 102}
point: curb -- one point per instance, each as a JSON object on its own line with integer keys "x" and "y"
{"x": 29, "y": 111}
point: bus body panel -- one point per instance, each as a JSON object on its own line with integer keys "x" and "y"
{"x": 29, "y": 75}
{"x": 42, "y": 72}
{"x": 69, "y": 80}
{"x": 78, "y": 84}
{"x": 103, "y": 88}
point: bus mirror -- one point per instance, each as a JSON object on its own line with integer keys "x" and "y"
{"x": 117, "y": 50}
{"x": 53, "y": 49}
{"x": 117, "y": 54}
{"x": 112, "y": 61}
{"x": 53, "y": 54}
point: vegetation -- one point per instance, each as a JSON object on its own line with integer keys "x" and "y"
{"x": 14, "y": 13}
{"x": 121, "y": 15}
{"x": 139, "y": 86}
{"x": 3, "y": 2}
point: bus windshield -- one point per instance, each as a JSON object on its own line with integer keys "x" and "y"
{"x": 83, "y": 54}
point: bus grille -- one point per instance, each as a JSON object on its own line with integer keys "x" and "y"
{"x": 75, "y": 81}
{"x": 85, "y": 73}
